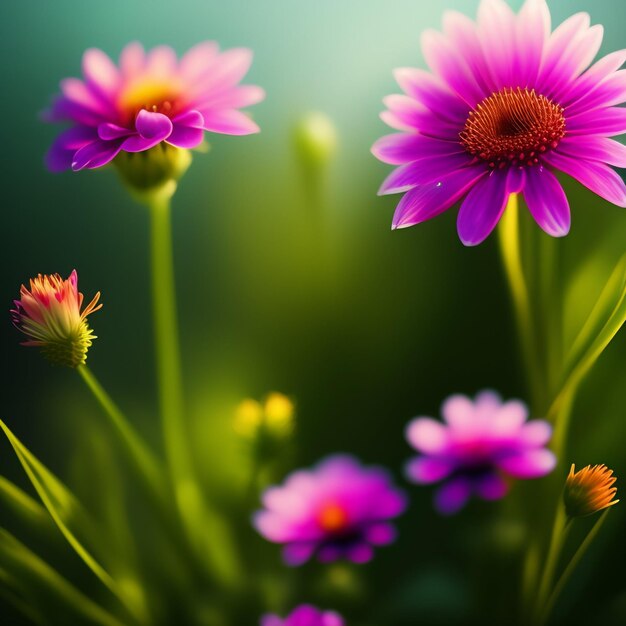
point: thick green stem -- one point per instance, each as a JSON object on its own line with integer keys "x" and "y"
{"x": 208, "y": 533}
{"x": 137, "y": 452}
{"x": 166, "y": 344}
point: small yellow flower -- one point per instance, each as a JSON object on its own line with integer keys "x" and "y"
{"x": 589, "y": 490}
{"x": 275, "y": 415}
{"x": 279, "y": 413}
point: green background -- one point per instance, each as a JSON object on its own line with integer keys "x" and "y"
{"x": 363, "y": 326}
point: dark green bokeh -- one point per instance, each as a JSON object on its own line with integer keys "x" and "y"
{"x": 365, "y": 327}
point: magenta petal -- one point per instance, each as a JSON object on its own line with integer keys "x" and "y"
{"x": 426, "y": 470}
{"x": 427, "y": 201}
{"x": 381, "y": 534}
{"x": 482, "y": 209}
{"x": 536, "y": 433}
{"x": 424, "y": 171}
{"x": 360, "y": 553}
{"x": 491, "y": 487}
{"x": 108, "y": 131}
{"x": 600, "y": 178}
{"x": 187, "y": 131}
{"x": 150, "y": 125}
{"x": 271, "y": 620}
{"x": 95, "y": 154}
{"x": 100, "y": 72}
{"x": 296, "y": 554}
{"x": 452, "y": 496}
{"x": 607, "y": 122}
{"x": 529, "y": 463}
{"x": 547, "y": 201}
{"x": 402, "y": 148}
{"x": 594, "y": 148}
{"x": 61, "y": 153}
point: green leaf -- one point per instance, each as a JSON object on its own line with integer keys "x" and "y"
{"x": 606, "y": 318}
{"x": 27, "y": 510}
{"x": 40, "y": 592}
{"x": 68, "y": 515}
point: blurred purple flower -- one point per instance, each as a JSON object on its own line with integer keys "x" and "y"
{"x": 339, "y": 509}
{"x": 508, "y": 104}
{"x": 150, "y": 98}
{"x": 304, "y": 615}
{"x": 482, "y": 442}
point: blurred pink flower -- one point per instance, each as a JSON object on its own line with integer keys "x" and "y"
{"x": 506, "y": 105}
{"x": 339, "y": 509}
{"x": 481, "y": 442}
{"x": 305, "y": 615}
{"x": 148, "y": 99}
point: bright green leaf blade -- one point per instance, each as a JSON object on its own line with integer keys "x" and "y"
{"x": 67, "y": 514}
{"x": 40, "y": 592}
{"x": 26, "y": 509}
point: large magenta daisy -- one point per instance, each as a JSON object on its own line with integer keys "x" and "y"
{"x": 148, "y": 99}
{"x": 508, "y": 103}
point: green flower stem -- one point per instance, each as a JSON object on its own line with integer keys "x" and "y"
{"x": 138, "y": 453}
{"x": 510, "y": 250}
{"x": 166, "y": 338}
{"x": 208, "y": 534}
{"x": 546, "y": 610}
{"x": 560, "y": 530}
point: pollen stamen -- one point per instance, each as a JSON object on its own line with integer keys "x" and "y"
{"x": 513, "y": 127}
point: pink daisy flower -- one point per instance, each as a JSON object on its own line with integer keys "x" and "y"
{"x": 507, "y": 104}
{"x": 338, "y": 509}
{"x": 305, "y": 615}
{"x": 481, "y": 444}
{"x": 150, "y": 98}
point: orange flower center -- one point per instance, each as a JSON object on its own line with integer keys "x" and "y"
{"x": 513, "y": 127}
{"x": 333, "y": 518}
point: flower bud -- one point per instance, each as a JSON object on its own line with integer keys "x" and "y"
{"x": 49, "y": 315}
{"x": 589, "y": 490}
{"x": 149, "y": 171}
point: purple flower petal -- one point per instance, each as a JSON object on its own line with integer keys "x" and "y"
{"x": 536, "y": 433}
{"x": 360, "y": 553}
{"x": 594, "y": 148}
{"x": 381, "y": 534}
{"x": 533, "y": 28}
{"x": 101, "y": 72}
{"x": 529, "y": 464}
{"x": 295, "y": 554}
{"x": 452, "y": 496}
{"x": 600, "y": 178}
{"x": 607, "y": 122}
{"x": 188, "y": 130}
{"x": 426, "y": 470}
{"x": 153, "y": 128}
{"x": 402, "y": 148}
{"x": 458, "y": 411}
{"x": 427, "y": 201}
{"x": 496, "y": 30}
{"x": 491, "y": 487}
{"x": 424, "y": 171}
{"x": 547, "y": 201}
{"x": 482, "y": 209}
{"x": 95, "y": 154}
{"x": 271, "y": 620}
{"x": 61, "y": 154}
{"x": 108, "y": 131}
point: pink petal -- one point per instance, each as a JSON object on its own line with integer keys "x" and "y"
{"x": 61, "y": 153}
{"x": 529, "y": 464}
{"x": 101, "y": 72}
{"x": 533, "y": 29}
{"x": 536, "y": 433}
{"x": 547, "y": 201}
{"x": 161, "y": 62}
{"x": 132, "y": 60}
{"x": 188, "y": 130}
{"x": 427, "y": 435}
{"x": 298, "y": 553}
{"x": 594, "y": 148}
{"x": 600, "y": 178}
{"x": 229, "y": 122}
{"x": 426, "y": 470}
{"x": 607, "y": 122}
{"x": 427, "y": 201}
{"x": 381, "y": 534}
{"x": 491, "y": 487}
{"x": 496, "y": 30}
{"x": 458, "y": 411}
{"x": 198, "y": 60}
